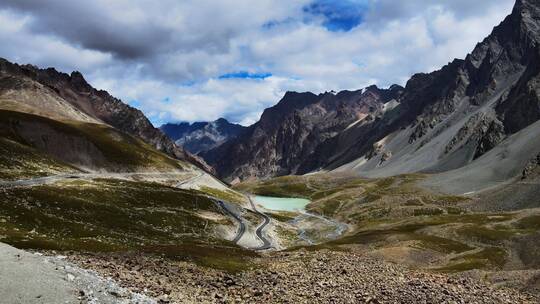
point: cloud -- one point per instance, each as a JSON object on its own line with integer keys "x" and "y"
{"x": 21, "y": 45}
{"x": 203, "y": 59}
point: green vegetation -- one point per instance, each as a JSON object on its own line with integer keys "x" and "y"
{"x": 106, "y": 215}
{"x": 413, "y": 202}
{"x": 226, "y": 195}
{"x": 394, "y": 212}
{"x": 385, "y": 183}
{"x": 405, "y": 232}
{"x": 529, "y": 223}
{"x": 19, "y": 161}
{"x": 283, "y": 216}
{"x": 454, "y": 210}
{"x": 490, "y": 257}
{"x": 427, "y": 211}
{"x": 229, "y": 258}
{"x": 120, "y": 148}
{"x": 290, "y": 236}
{"x": 485, "y": 235}
{"x": 286, "y": 186}
{"x": 114, "y": 148}
{"x": 329, "y": 207}
{"x": 103, "y": 215}
{"x": 442, "y": 245}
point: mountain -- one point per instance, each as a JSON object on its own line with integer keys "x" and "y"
{"x": 473, "y": 123}
{"x": 69, "y": 98}
{"x": 288, "y": 133}
{"x": 471, "y": 111}
{"x": 202, "y": 136}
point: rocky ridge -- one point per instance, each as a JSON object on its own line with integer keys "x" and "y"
{"x": 95, "y": 105}
{"x": 288, "y": 133}
{"x": 202, "y": 136}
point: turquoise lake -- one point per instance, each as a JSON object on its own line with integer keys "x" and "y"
{"x": 280, "y": 203}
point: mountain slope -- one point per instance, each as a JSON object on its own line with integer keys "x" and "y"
{"x": 83, "y": 145}
{"x": 49, "y": 93}
{"x": 489, "y": 96}
{"x": 439, "y": 122}
{"x": 202, "y": 136}
{"x": 290, "y": 131}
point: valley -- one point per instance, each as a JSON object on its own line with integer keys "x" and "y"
{"x": 421, "y": 193}
{"x": 181, "y": 236}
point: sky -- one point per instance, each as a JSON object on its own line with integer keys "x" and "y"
{"x": 198, "y": 60}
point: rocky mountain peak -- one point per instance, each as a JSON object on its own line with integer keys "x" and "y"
{"x": 202, "y": 136}
{"x": 78, "y": 81}
{"x": 372, "y": 88}
{"x": 289, "y": 132}
{"x": 221, "y": 121}
{"x": 529, "y": 10}
{"x": 295, "y": 100}
{"x": 396, "y": 87}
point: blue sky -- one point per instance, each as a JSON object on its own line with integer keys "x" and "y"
{"x": 338, "y": 15}
{"x": 196, "y": 60}
{"x": 245, "y": 75}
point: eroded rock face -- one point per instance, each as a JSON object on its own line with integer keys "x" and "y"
{"x": 490, "y": 136}
{"x": 532, "y": 168}
{"x": 97, "y": 104}
{"x": 288, "y": 133}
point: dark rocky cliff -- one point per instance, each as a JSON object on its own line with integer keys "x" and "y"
{"x": 289, "y": 132}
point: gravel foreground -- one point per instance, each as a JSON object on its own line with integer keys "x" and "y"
{"x": 295, "y": 277}
{"x": 27, "y": 278}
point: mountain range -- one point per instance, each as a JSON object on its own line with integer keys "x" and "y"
{"x": 476, "y": 117}
{"x": 414, "y": 193}
{"x": 202, "y": 136}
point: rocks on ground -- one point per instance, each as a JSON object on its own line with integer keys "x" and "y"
{"x": 296, "y": 277}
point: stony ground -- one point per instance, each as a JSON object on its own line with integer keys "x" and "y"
{"x": 27, "y": 278}
{"x": 295, "y": 277}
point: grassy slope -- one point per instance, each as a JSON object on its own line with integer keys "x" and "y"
{"x": 120, "y": 151}
{"x": 104, "y": 215}
{"x": 394, "y": 212}
{"x": 18, "y": 161}
{"x": 112, "y": 215}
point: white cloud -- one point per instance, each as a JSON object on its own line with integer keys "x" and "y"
{"x": 18, "y": 44}
{"x": 151, "y": 51}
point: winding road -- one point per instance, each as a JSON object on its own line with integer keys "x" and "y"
{"x": 266, "y": 243}
{"x": 37, "y": 181}
{"x": 56, "y": 178}
{"x": 242, "y": 226}
{"x": 189, "y": 180}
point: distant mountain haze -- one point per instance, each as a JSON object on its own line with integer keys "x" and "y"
{"x": 202, "y": 136}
